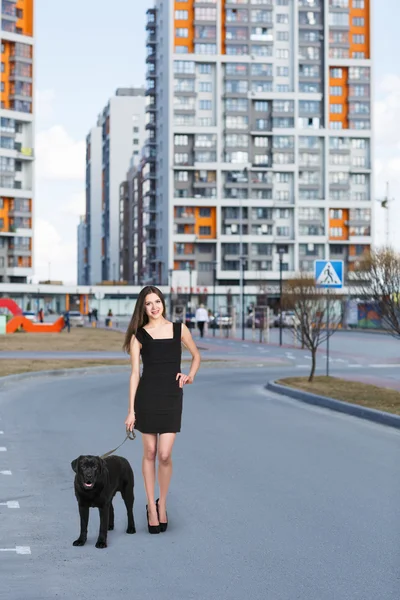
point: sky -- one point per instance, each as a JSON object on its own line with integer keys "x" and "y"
{"x": 86, "y": 50}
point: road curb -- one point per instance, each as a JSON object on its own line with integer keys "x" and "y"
{"x": 60, "y": 373}
{"x": 369, "y": 414}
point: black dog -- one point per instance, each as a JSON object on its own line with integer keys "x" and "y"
{"x": 97, "y": 481}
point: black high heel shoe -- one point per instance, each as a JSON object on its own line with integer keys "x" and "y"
{"x": 152, "y": 528}
{"x": 163, "y": 526}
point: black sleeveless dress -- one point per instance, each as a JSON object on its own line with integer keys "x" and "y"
{"x": 158, "y": 400}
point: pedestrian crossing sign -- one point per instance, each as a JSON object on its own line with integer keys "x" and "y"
{"x": 329, "y": 273}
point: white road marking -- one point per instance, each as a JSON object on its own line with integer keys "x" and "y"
{"x": 1, "y": 432}
{"x": 17, "y": 549}
{"x": 245, "y": 345}
{"x": 5, "y": 473}
{"x": 3, "y": 449}
{"x": 302, "y": 366}
{"x": 260, "y": 365}
{"x": 353, "y": 366}
{"x": 10, "y": 504}
{"x": 379, "y": 366}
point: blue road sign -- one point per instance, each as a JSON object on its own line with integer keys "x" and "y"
{"x": 329, "y": 273}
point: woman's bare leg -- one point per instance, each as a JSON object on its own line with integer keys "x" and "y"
{"x": 165, "y": 445}
{"x": 149, "y": 473}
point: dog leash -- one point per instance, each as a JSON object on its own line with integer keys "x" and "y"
{"x": 130, "y": 435}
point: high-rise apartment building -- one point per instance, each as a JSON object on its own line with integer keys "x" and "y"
{"x": 16, "y": 141}
{"x": 81, "y": 249}
{"x": 119, "y": 134}
{"x": 259, "y": 136}
{"x": 132, "y": 226}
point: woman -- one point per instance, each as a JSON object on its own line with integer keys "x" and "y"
{"x": 155, "y": 398}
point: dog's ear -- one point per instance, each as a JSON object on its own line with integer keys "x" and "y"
{"x": 74, "y": 464}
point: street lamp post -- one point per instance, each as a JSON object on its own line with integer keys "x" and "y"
{"x": 242, "y": 303}
{"x": 170, "y": 273}
{"x": 281, "y": 253}
{"x": 190, "y": 269}
{"x": 214, "y": 284}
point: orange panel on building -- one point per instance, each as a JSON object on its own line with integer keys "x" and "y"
{"x": 4, "y": 214}
{"x": 210, "y": 222}
{"x": 5, "y": 76}
{"x": 185, "y": 24}
{"x": 223, "y": 27}
{"x": 364, "y": 29}
{"x": 25, "y": 23}
{"x": 339, "y": 223}
{"x": 342, "y": 99}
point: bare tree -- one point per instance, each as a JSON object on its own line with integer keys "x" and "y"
{"x": 316, "y": 318}
{"x": 378, "y": 280}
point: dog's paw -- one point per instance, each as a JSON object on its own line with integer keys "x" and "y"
{"x": 79, "y": 542}
{"x": 131, "y": 529}
{"x": 101, "y": 544}
{"x": 111, "y": 527}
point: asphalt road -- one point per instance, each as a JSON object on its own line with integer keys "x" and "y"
{"x": 270, "y": 499}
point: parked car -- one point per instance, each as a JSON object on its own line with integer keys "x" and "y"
{"x": 31, "y": 315}
{"x": 258, "y": 319}
{"x": 76, "y": 318}
{"x": 288, "y": 319}
{"x": 218, "y": 321}
{"x": 190, "y": 320}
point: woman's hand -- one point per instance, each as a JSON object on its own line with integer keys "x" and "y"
{"x": 184, "y": 379}
{"x": 130, "y": 421}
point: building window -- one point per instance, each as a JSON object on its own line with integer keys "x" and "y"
{"x": 205, "y": 69}
{"x": 181, "y": 176}
{"x": 181, "y": 158}
{"x": 181, "y": 140}
{"x": 336, "y": 108}
{"x": 205, "y": 48}
{"x": 336, "y": 90}
{"x": 358, "y": 21}
{"x": 358, "y": 39}
{"x": 282, "y": 53}
{"x": 283, "y": 36}
{"x": 205, "y": 230}
{"x": 184, "y": 66}
{"x": 282, "y": 18}
{"x": 339, "y": 18}
{"x": 205, "y": 104}
{"x": 205, "y": 212}
{"x": 358, "y": 3}
{"x": 181, "y": 32}
{"x": 205, "y": 86}
{"x": 181, "y": 15}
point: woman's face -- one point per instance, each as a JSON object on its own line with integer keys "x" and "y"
{"x": 153, "y": 306}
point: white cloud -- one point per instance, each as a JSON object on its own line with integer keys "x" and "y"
{"x": 54, "y": 256}
{"x": 58, "y": 156}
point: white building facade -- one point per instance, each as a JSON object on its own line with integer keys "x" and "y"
{"x": 260, "y": 143}
{"x": 119, "y": 134}
{"x": 17, "y": 142}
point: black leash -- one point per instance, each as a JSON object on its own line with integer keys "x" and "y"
{"x": 130, "y": 435}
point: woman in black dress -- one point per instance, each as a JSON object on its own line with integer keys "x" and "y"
{"x": 155, "y": 398}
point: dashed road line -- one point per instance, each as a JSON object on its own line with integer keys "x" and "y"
{"x": 17, "y": 549}
{"x": 5, "y": 473}
{"x": 10, "y": 504}
{"x": 3, "y": 449}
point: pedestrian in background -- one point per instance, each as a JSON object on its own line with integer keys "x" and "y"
{"x": 67, "y": 322}
{"x": 201, "y": 318}
{"x": 155, "y": 397}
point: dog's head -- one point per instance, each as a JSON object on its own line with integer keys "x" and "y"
{"x": 88, "y": 470}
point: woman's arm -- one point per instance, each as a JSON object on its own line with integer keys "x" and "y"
{"x": 133, "y": 381}
{"x": 196, "y": 359}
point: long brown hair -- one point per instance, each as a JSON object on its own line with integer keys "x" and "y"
{"x": 139, "y": 318}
